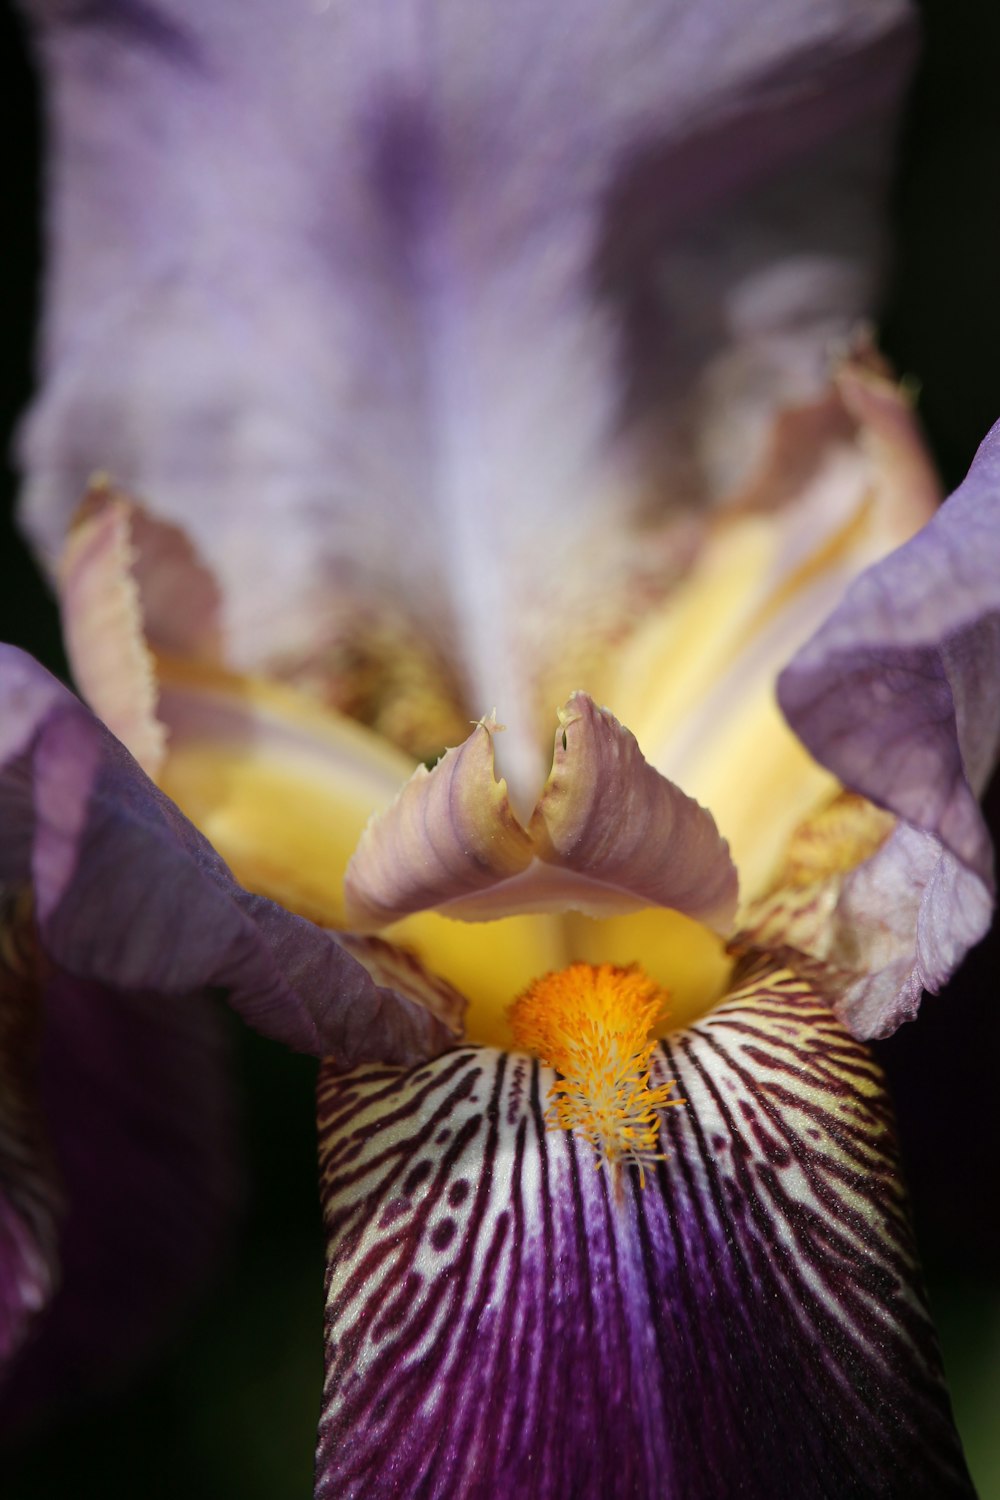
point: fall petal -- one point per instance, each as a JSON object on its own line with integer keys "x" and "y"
{"x": 30, "y": 1199}
{"x": 608, "y": 835}
{"x": 500, "y": 1321}
{"x": 896, "y": 694}
{"x": 135, "y": 1100}
{"x": 129, "y": 894}
{"x": 629, "y": 304}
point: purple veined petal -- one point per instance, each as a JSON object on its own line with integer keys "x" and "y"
{"x": 250, "y": 206}
{"x": 897, "y": 694}
{"x": 608, "y": 835}
{"x": 129, "y": 894}
{"x": 751, "y": 1323}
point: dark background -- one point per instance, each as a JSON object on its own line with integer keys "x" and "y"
{"x": 231, "y": 1410}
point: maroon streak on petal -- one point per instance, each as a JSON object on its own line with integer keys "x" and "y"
{"x": 129, "y": 894}
{"x": 752, "y": 1323}
{"x": 897, "y": 695}
{"x": 608, "y": 834}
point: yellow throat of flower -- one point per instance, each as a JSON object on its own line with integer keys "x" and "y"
{"x": 592, "y": 1022}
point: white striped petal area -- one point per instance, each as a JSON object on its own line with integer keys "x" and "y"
{"x": 503, "y": 1320}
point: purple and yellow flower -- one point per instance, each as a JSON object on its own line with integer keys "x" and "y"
{"x": 454, "y": 363}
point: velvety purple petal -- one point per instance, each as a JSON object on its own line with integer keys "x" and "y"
{"x": 608, "y": 835}
{"x": 899, "y": 695}
{"x": 483, "y": 277}
{"x": 129, "y": 894}
{"x": 138, "y": 1119}
{"x": 501, "y": 1322}
{"x": 30, "y": 1199}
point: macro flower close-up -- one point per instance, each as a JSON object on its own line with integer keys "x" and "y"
{"x": 518, "y": 653}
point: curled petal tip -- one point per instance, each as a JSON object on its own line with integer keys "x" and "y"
{"x": 608, "y": 834}
{"x": 103, "y": 624}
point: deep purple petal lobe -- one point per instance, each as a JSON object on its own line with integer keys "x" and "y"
{"x": 898, "y": 695}
{"x": 130, "y": 894}
{"x": 139, "y": 1123}
{"x": 499, "y": 1323}
{"x": 30, "y": 1199}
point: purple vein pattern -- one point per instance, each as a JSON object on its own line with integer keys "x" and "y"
{"x": 501, "y": 1322}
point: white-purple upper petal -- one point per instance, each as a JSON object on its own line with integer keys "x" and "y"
{"x": 493, "y": 278}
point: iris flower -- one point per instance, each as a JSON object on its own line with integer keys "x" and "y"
{"x": 441, "y": 358}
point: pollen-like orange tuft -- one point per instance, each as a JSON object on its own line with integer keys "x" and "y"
{"x": 592, "y": 1023}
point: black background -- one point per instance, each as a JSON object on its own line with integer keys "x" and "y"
{"x": 231, "y": 1409}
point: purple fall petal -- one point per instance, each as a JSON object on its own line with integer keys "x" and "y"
{"x": 30, "y": 1197}
{"x": 135, "y": 1098}
{"x": 897, "y": 695}
{"x": 129, "y": 894}
{"x": 486, "y": 276}
{"x": 499, "y": 1322}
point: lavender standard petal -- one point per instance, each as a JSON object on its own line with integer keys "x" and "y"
{"x": 473, "y": 274}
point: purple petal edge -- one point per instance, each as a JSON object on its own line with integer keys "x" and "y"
{"x": 897, "y": 694}
{"x": 129, "y": 894}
